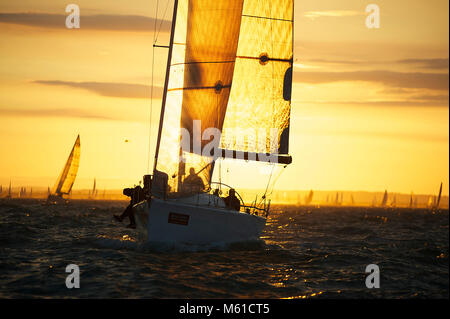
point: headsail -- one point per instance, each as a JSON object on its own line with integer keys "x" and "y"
{"x": 260, "y": 99}
{"x": 65, "y": 181}
{"x": 230, "y": 67}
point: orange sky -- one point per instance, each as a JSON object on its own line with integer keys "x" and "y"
{"x": 370, "y": 107}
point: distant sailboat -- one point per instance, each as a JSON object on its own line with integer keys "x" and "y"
{"x": 385, "y": 199}
{"x": 337, "y": 199}
{"x": 66, "y": 179}
{"x": 374, "y": 201}
{"x": 94, "y": 188}
{"x": 411, "y": 201}
{"x": 309, "y": 199}
{"x": 352, "y": 200}
{"x": 438, "y": 199}
{"x": 9, "y": 196}
{"x": 229, "y": 66}
{"x": 93, "y": 193}
{"x": 1, "y": 189}
{"x": 394, "y": 201}
{"x": 431, "y": 202}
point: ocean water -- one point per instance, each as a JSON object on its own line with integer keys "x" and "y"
{"x": 303, "y": 253}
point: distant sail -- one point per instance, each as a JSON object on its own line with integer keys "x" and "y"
{"x": 94, "y": 188}
{"x": 64, "y": 183}
{"x": 394, "y": 201}
{"x": 411, "y": 201}
{"x": 439, "y": 198}
{"x": 309, "y": 199}
{"x": 385, "y": 199}
{"x": 9, "y": 191}
{"x": 431, "y": 201}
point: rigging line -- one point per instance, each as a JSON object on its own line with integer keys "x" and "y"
{"x": 267, "y": 187}
{"x": 151, "y": 91}
{"x": 276, "y": 179}
{"x": 162, "y": 21}
{"x": 273, "y": 66}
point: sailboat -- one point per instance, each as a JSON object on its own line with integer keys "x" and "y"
{"x": 437, "y": 201}
{"x": 309, "y": 199}
{"x": 92, "y": 194}
{"x": 385, "y": 199}
{"x": 229, "y": 67}
{"x": 9, "y": 196}
{"x": 64, "y": 183}
{"x": 431, "y": 202}
{"x": 394, "y": 201}
{"x": 337, "y": 199}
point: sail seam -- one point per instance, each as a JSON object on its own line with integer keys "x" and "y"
{"x": 202, "y": 62}
{"x": 269, "y": 59}
{"x": 200, "y": 88}
{"x": 258, "y": 17}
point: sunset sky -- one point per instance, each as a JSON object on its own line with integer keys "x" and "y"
{"x": 370, "y": 107}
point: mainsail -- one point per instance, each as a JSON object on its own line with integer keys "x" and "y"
{"x": 64, "y": 183}
{"x": 230, "y": 70}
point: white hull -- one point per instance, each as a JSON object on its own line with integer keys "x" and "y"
{"x": 175, "y": 221}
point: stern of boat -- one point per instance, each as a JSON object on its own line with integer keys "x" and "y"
{"x": 141, "y": 211}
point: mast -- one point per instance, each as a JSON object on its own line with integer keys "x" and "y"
{"x": 166, "y": 84}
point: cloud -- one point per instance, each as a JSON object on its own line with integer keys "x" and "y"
{"x": 53, "y": 113}
{"x": 433, "y": 64}
{"x": 88, "y": 22}
{"x": 402, "y": 100}
{"x": 332, "y": 13}
{"x": 415, "y": 80}
{"x": 120, "y": 90}
{"x": 437, "y": 64}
